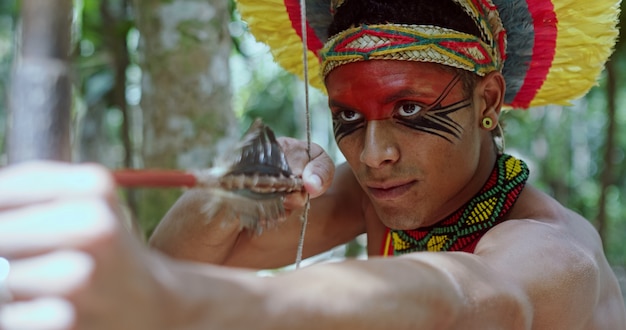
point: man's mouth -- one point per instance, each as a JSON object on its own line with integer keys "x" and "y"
{"x": 389, "y": 191}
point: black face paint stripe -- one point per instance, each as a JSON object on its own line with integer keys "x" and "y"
{"x": 342, "y": 130}
{"x": 436, "y": 118}
{"x": 442, "y": 115}
{"x": 438, "y": 122}
{"x": 446, "y": 91}
{"x": 426, "y": 129}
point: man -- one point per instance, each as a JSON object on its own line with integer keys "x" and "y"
{"x": 423, "y": 174}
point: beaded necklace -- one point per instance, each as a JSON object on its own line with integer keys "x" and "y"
{"x": 462, "y": 230}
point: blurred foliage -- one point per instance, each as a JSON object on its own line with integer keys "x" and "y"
{"x": 106, "y": 80}
{"x": 564, "y": 146}
{"x": 8, "y": 19}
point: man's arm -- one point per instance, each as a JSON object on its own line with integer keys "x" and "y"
{"x": 420, "y": 291}
{"x": 545, "y": 282}
{"x": 71, "y": 259}
{"x": 546, "y": 273}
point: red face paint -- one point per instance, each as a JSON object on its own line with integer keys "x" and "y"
{"x": 416, "y": 95}
{"x": 375, "y": 89}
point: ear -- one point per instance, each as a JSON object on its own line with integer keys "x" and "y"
{"x": 490, "y": 94}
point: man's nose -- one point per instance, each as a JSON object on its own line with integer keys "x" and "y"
{"x": 379, "y": 146}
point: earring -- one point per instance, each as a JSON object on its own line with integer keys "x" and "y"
{"x": 487, "y": 123}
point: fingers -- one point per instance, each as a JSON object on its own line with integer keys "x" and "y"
{"x": 68, "y": 252}
{"x": 317, "y": 173}
{"x": 63, "y": 224}
{"x": 49, "y": 205}
{"x": 59, "y": 273}
{"x": 44, "y": 181}
{"x": 294, "y": 201}
{"x": 40, "y": 314}
{"x": 5, "y": 294}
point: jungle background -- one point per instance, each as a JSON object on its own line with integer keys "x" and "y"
{"x": 164, "y": 83}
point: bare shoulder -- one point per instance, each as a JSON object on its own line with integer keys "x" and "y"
{"x": 538, "y": 214}
{"x": 556, "y": 256}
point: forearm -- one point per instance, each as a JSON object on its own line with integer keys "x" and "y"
{"x": 373, "y": 294}
{"x": 186, "y": 231}
{"x": 201, "y": 296}
{"x": 350, "y": 295}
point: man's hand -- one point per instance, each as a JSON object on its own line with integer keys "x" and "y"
{"x": 317, "y": 174}
{"x": 187, "y": 233}
{"x": 72, "y": 262}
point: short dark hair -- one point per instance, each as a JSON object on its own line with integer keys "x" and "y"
{"x": 443, "y": 13}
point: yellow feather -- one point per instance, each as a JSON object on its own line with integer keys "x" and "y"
{"x": 586, "y": 35}
{"x": 269, "y": 22}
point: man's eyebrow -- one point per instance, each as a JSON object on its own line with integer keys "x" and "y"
{"x": 408, "y": 93}
{"x": 338, "y": 104}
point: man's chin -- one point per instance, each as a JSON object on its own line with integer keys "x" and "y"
{"x": 397, "y": 220}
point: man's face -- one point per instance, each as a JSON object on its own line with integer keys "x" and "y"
{"x": 411, "y": 136}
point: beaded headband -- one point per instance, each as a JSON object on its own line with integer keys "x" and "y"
{"x": 555, "y": 49}
{"x": 422, "y": 43}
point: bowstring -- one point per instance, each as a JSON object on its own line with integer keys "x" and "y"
{"x": 305, "y": 214}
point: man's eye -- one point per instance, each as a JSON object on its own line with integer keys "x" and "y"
{"x": 349, "y": 116}
{"x": 409, "y": 109}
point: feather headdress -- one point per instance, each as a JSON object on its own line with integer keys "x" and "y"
{"x": 555, "y": 51}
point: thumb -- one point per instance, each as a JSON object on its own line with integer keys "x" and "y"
{"x": 318, "y": 175}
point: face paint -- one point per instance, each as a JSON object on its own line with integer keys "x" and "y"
{"x": 433, "y": 118}
{"x": 346, "y": 122}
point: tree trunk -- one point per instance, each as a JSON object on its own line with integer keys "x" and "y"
{"x": 40, "y": 100}
{"x": 186, "y": 90}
